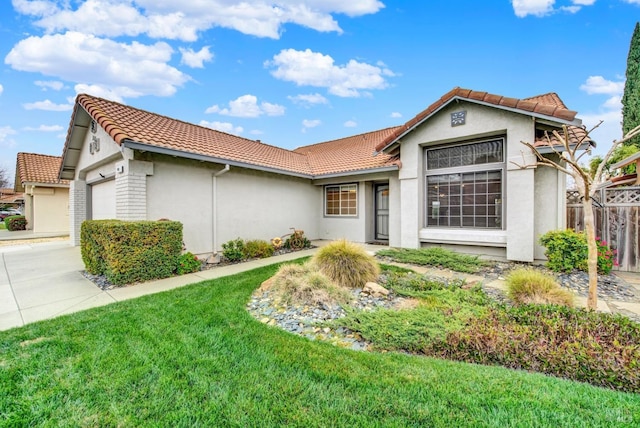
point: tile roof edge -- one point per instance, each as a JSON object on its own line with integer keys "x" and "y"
{"x": 344, "y": 138}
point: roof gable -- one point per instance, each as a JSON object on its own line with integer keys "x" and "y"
{"x": 547, "y": 105}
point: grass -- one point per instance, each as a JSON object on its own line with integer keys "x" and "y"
{"x": 195, "y": 357}
{"x": 528, "y": 285}
{"x": 434, "y": 256}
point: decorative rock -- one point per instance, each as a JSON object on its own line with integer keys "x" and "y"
{"x": 374, "y": 289}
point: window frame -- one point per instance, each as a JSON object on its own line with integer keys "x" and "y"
{"x": 345, "y": 187}
{"x": 488, "y": 168}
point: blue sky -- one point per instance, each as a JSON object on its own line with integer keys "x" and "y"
{"x": 295, "y": 72}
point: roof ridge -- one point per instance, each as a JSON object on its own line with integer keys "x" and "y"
{"x": 38, "y": 154}
{"x": 344, "y": 138}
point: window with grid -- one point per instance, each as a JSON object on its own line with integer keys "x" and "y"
{"x": 464, "y": 185}
{"x": 341, "y": 200}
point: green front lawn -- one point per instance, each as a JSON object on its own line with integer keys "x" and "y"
{"x": 195, "y": 357}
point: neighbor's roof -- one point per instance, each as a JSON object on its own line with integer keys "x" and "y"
{"x": 37, "y": 168}
{"x": 547, "y": 105}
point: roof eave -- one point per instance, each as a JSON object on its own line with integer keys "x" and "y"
{"x": 44, "y": 184}
{"x": 545, "y": 150}
{"x": 552, "y": 119}
{"x": 357, "y": 172}
{"x": 204, "y": 158}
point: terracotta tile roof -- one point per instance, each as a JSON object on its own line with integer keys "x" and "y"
{"x": 122, "y": 123}
{"x": 348, "y": 154}
{"x": 37, "y": 168}
{"x": 539, "y": 105}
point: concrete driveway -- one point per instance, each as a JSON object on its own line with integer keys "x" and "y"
{"x": 43, "y": 280}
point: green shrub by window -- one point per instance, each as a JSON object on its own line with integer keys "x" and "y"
{"x": 128, "y": 252}
{"x": 233, "y": 250}
{"x": 567, "y": 250}
{"x": 258, "y": 249}
{"x": 188, "y": 263}
{"x": 15, "y": 222}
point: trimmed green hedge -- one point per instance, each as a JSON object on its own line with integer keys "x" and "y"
{"x": 15, "y": 222}
{"x": 127, "y": 252}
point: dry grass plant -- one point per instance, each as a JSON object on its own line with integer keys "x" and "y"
{"x": 306, "y": 285}
{"x": 530, "y": 286}
{"x": 346, "y": 264}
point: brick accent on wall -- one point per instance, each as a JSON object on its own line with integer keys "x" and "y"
{"x": 77, "y": 209}
{"x": 131, "y": 189}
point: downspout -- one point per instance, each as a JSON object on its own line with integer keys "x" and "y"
{"x": 214, "y": 208}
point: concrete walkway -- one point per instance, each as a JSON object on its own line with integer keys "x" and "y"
{"x": 42, "y": 280}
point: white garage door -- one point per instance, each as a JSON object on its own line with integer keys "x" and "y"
{"x": 103, "y": 200}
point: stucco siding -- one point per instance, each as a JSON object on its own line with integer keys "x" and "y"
{"x": 248, "y": 204}
{"x": 550, "y": 203}
{"x": 102, "y": 159}
{"x": 517, "y": 234}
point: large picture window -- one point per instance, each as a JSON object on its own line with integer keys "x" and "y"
{"x": 464, "y": 185}
{"x": 341, "y": 200}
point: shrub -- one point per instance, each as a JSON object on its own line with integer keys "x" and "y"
{"x": 587, "y": 346}
{"x": 188, "y": 263}
{"x": 347, "y": 264}
{"x": 128, "y": 252}
{"x": 258, "y": 248}
{"x": 434, "y": 256}
{"x": 15, "y": 222}
{"x": 297, "y": 241}
{"x": 567, "y": 250}
{"x": 305, "y": 285}
{"x": 529, "y": 285}
{"x": 233, "y": 250}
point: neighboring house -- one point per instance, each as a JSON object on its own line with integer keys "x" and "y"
{"x": 46, "y": 197}
{"x": 9, "y": 198}
{"x": 443, "y": 178}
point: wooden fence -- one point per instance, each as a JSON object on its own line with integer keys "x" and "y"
{"x": 617, "y": 218}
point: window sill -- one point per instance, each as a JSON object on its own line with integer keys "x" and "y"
{"x": 481, "y": 237}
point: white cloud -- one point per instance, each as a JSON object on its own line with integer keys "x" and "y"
{"x": 5, "y": 132}
{"x": 541, "y": 8}
{"x": 49, "y": 84}
{"x": 310, "y": 123}
{"x": 130, "y": 70}
{"x": 395, "y": 115}
{"x": 307, "y": 100}
{"x": 184, "y": 20}
{"x": 45, "y": 128}
{"x": 633, "y": 2}
{"x": 196, "y": 59}
{"x": 247, "y": 106}
{"x": 47, "y": 105}
{"x": 308, "y": 68}
{"x": 350, "y": 124}
{"x": 222, "y": 126}
{"x": 102, "y": 92}
{"x": 1, "y": 89}
{"x": 600, "y": 85}
{"x": 256, "y": 132}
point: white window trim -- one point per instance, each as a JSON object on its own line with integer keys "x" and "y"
{"x": 340, "y": 186}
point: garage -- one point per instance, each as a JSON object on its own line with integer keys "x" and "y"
{"x": 103, "y": 200}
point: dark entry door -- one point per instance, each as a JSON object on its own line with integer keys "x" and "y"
{"x": 382, "y": 212}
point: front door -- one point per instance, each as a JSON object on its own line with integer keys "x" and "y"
{"x": 382, "y": 212}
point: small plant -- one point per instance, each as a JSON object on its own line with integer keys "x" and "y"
{"x": 434, "y": 256}
{"x": 277, "y": 242}
{"x": 305, "y": 285}
{"x": 567, "y": 250}
{"x": 188, "y": 263}
{"x": 15, "y": 222}
{"x": 347, "y": 264}
{"x": 528, "y": 285}
{"x": 258, "y": 249}
{"x": 233, "y": 250}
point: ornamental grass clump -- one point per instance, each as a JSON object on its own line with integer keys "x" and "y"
{"x": 305, "y": 285}
{"x": 530, "y": 286}
{"x": 346, "y": 264}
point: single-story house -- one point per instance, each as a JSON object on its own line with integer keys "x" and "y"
{"x": 446, "y": 177}
{"x": 46, "y": 197}
{"x": 9, "y": 198}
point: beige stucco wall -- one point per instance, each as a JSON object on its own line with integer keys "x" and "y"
{"x": 47, "y": 209}
{"x": 249, "y": 204}
{"x": 90, "y": 165}
{"x": 550, "y": 205}
{"x": 518, "y": 234}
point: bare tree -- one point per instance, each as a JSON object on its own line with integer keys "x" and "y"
{"x": 568, "y": 146}
{"x": 4, "y": 178}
